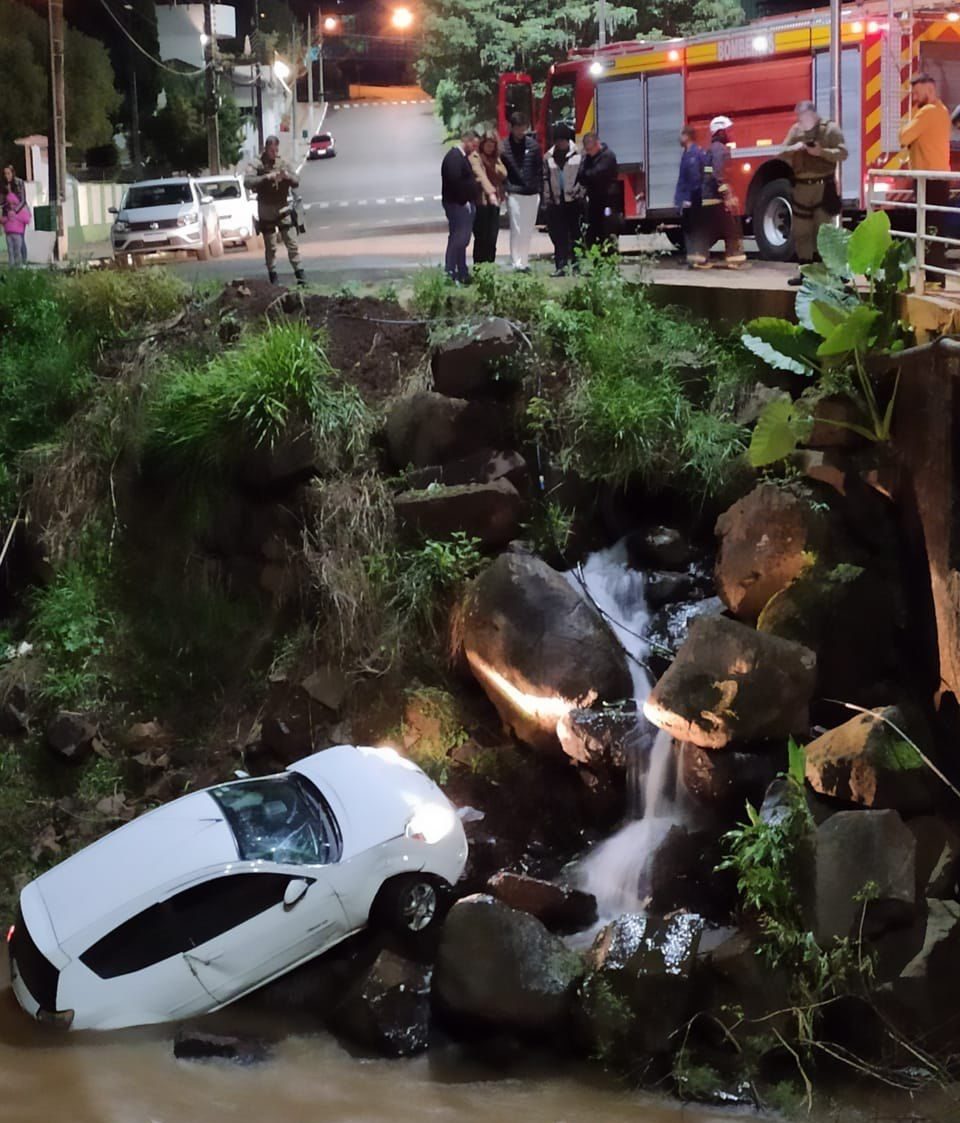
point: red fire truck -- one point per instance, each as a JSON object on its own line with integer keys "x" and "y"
{"x": 637, "y": 95}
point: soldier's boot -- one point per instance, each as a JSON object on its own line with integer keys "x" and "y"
{"x": 272, "y": 276}
{"x": 301, "y": 276}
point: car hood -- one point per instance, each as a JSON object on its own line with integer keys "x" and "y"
{"x": 373, "y": 792}
{"x": 136, "y": 861}
{"x": 155, "y": 214}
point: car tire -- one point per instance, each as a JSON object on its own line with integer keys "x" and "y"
{"x": 772, "y": 220}
{"x": 408, "y": 906}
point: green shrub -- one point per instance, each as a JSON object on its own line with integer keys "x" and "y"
{"x": 201, "y": 419}
{"x": 517, "y": 296}
{"x": 435, "y": 295}
{"x": 109, "y": 303}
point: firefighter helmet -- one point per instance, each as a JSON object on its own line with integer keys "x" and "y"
{"x": 718, "y": 124}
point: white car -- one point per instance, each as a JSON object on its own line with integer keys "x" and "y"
{"x": 165, "y": 216}
{"x": 235, "y": 208}
{"x": 195, "y": 904}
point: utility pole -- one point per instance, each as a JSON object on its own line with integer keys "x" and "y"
{"x": 309, "y": 58}
{"x": 134, "y": 100}
{"x": 602, "y": 21}
{"x": 210, "y": 78}
{"x": 258, "y": 88}
{"x": 57, "y": 144}
{"x": 295, "y": 66}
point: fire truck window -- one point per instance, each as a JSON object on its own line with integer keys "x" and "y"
{"x": 941, "y": 62}
{"x": 561, "y": 109}
{"x": 519, "y": 99}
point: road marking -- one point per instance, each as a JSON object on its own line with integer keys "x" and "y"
{"x": 418, "y": 198}
{"x": 345, "y": 203}
{"x": 437, "y": 198}
{"x": 380, "y": 202}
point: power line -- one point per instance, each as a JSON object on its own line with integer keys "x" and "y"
{"x": 156, "y": 62}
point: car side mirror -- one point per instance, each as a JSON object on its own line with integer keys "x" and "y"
{"x": 112, "y": 210}
{"x": 206, "y": 198}
{"x": 294, "y": 892}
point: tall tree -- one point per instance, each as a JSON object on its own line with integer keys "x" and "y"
{"x": 176, "y": 136}
{"x": 467, "y": 44}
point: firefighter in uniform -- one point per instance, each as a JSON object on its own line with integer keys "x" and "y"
{"x": 814, "y": 150}
{"x": 273, "y": 180}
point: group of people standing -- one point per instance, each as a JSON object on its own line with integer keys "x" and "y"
{"x": 482, "y": 176}
{"x": 15, "y": 215}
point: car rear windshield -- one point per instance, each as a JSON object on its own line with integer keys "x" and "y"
{"x": 280, "y": 819}
{"x": 39, "y": 975}
{"x": 223, "y": 189}
{"x": 322, "y": 138}
{"x": 158, "y": 195}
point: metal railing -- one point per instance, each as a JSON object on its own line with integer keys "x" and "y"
{"x": 906, "y": 192}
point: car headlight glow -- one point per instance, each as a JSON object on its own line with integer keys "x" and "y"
{"x": 431, "y": 822}
{"x": 188, "y": 219}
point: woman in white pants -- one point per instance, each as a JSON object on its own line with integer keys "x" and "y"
{"x": 523, "y": 159}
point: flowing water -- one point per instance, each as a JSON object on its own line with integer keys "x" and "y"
{"x": 615, "y": 872}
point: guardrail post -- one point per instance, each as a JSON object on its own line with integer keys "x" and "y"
{"x": 920, "y": 278}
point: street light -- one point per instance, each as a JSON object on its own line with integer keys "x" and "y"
{"x": 281, "y": 69}
{"x": 330, "y": 23}
{"x": 402, "y": 19}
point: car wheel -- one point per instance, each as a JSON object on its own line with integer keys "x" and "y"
{"x": 773, "y": 221}
{"x": 408, "y": 906}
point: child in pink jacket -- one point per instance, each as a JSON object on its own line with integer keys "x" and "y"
{"x": 15, "y": 220}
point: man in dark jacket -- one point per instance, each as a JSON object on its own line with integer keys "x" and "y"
{"x": 459, "y": 195}
{"x": 273, "y": 180}
{"x": 599, "y": 178}
{"x": 523, "y": 160}
{"x": 687, "y": 197}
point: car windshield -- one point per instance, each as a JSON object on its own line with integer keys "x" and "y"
{"x": 221, "y": 189}
{"x": 322, "y": 138}
{"x": 158, "y": 195}
{"x": 280, "y": 819}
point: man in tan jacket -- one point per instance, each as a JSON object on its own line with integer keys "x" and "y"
{"x": 273, "y": 179}
{"x": 814, "y": 149}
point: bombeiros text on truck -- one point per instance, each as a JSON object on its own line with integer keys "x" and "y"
{"x": 638, "y": 94}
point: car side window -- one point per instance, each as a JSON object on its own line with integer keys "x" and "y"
{"x": 184, "y": 921}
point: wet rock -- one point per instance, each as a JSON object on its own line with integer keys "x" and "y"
{"x": 429, "y": 428}
{"x": 537, "y": 648}
{"x": 737, "y": 975}
{"x": 482, "y": 467}
{"x": 604, "y": 740}
{"x": 663, "y": 587}
{"x": 831, "y": 416}
{"x": 725, "y": 780}
{"x": 388, "y": 1008}
{"x": 864, "y": 761}
{"x": 924, "y": 998}
{"x": 642, "y": 984}
{"x": 469, "y": 363}
{"x": 560, "y": 908}
{"x": 938, "y": 856}
{"x": 673, "y": 867}
{"x": 326, "y": 685}
{"x": 868, "y": 854}
{"x": 660, "y": 547}
{"x": 497, "y": 966}
{"x": 490, "y": 512}
{"x": 848, "y": 616}
{"x": 732, "y": 683}
{"x": 191, "y": 1045}
{"x": 71, "y": 736}
{"x": 766, "y": 540}
{"x": 669, "y": 627}
{"x": 281, "y": 464}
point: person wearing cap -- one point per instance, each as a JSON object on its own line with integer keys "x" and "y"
{"x": 926, "y": 137}
{"x": 562, "y": 196}
{"x": 814, "y": 149}
{"x": 717, "y": 217}
{"x": 272, "y": 179}
{"x": 599, "y": 179}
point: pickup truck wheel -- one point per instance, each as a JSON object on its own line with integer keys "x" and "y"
{"x": 773, "y": 220}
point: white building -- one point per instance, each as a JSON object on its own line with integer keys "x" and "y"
{"x": 180, "y": 30}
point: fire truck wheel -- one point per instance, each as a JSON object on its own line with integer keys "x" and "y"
{"x": 772, "y": 219}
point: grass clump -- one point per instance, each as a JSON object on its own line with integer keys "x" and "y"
{"x": 110, "y": 303}
{"x": 202, "y": 419}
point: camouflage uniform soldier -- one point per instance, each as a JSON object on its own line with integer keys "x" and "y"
{"x": 273, "y": 180}
{"x": 814, "y": 149}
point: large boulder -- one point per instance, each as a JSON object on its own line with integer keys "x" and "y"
{"x": 490, "y": 511}
{"x": 724, "y": 781}
{"x": 848, "y": 615}
{"x": 642, "y": 985}
{"x": 865, "y": 761}
{"x": 481, "y": 467}
{"x": 607, "y": 740}
{"x": 766, "y": 540}
{"x": 470, "y": 362}
{"x": 537, "y": 648}
{"x": 927, "y": 992}
{"x": 732, "y": 683}
{"x": 938, "y": 856}
{"x": 864, "y": 867}
{"x": 559, "y": 907}
{"x": 497, "y": 966}
{"x": 429, "y": 428}
{"x": 71, "y": 736}
{"x": 388, "y": 1007}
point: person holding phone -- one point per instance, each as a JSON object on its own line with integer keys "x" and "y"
{"x": 814, "y": 149}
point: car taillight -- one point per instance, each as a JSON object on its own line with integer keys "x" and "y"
{"x": 10, "y": 932}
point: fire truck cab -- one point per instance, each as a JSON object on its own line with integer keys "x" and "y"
{"x": 637, "y": 95}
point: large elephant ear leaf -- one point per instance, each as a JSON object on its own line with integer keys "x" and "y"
{"x": 821, "y": 288}
{"x": 825, "y": 318}
{"x": 854, "y": 332}
{"x": 833, "y": 244}
{"x": 782, "y": 345}
{"x": 869, "y": 244}
{"x": 779, "y": 429}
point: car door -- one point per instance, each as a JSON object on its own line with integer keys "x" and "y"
{"x": 243, "y": 928}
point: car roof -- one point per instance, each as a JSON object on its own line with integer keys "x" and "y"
{"x": 137, "y": 864}
{"x": 158, "y": 182}
{"x": 216, "y": 178}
